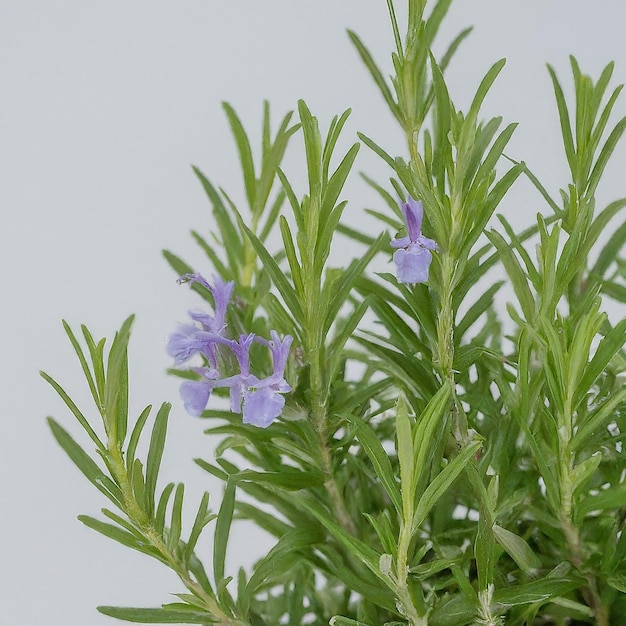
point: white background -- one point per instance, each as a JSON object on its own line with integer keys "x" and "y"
{"x": 103, "y": 107}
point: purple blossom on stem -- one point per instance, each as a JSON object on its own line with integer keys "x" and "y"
{"x": 239, "y": 384}
{"x": 190, "y": 339}
{"x": 263, "y": 402}
{"x": 260, "y": 400}
{"x": 221, "y": 291}
{"x": 413, "y": 256}
{"x": 195, "y": 393}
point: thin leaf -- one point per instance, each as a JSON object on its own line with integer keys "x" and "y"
{"x": 156, "y": 616}
{"x": 86, "y": 465}
{"x": 222, "y": 531}
{"x": 155, "y": 454}
{"x": 379, "y": 459}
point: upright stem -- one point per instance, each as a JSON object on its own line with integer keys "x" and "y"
{"x": 315, "y": 349}
{"x": 415, "y": 615}
{"x": 570, "y": 530}
{"x": 250, "y": 256}
{"x": 141, "y": 519}
{"x": 320, "y": 423}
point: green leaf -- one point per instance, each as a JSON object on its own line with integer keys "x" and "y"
{"x": 289, "y": 479}
{"x": 312, "y": 146}
{"x": 605, "y": 155}
{"x": 609, "y": 252}
{"x": 95, "y": 393}
{"x": 534, "y": 592}
{"x": 362, "y": 551}
{"x": 566, "y": 129}
{"x": 121, "y": 536}
{"x": 480, "y": 306}
{"x": 155, "y": 454}
{"x": 612, "y": 498}
{"x": 455, "y": 610}
{"x": 343, "y": 286}
{"x": 345, "y": 330}
{"x": 116, "y": 390}
{"x": 222, "y": 531}
{"x": 96, "y": 352}
{"x": 74, "y": 409}
{"x": 585, "y": 470}
{"x": 245, "y": 153}
{"x": 404, "y": 447}
{"x": 292, "y": 257}
{"x": 617, "y": 582}
{"x": 442, "y": 482}
{"x": 134, "y": 438}
{"x": 484, "y": 88}
{"x": 335, "y": 184}
{"x": 176, "y": 263}
{"x": 608, "y": 347}
{"x": 159, "y": 517}
{"x": 518, "y": 550}
{"x": 424, "y": 439}
{"x": 276, "y": 274}
{"x": 213, "y": 256}
{"x": 274, "y": 565}
{"x": 376, "y": 74}
{"x": 176, "y": 523}
{"x": 516, "y": 274}
{"x": 157, "y": 616}
{"x": 598, "y": 418}
{"x": 453, "y": 47}
{"x": 378, "y": 150}
{"x": 339, "y": 620}
{"x": 203, "y": 517}
{"x": 86, "y": 465}
{"x": 379, "y": 459}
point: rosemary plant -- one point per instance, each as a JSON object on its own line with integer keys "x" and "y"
{"x": 430, "y": 468}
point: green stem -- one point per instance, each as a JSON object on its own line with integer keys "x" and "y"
{"x": 320, "y": 421}
{"x": 249, "y": 262}
{"x": 570, "y": 530}
{"x": 416, "y": 615}
{"x": 138, "y": 516}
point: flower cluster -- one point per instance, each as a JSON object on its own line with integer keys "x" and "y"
{"x": 414, "y": 255}
{"x": 259, "y": 400}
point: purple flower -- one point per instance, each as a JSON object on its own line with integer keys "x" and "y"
{"x": 262, "y": 406}
{"x": 221, "y": 292}
{"x": 413, "y": 256}
{"x": 263, "y": 401}
{"x": 190, "y": 339}
{"x": 195, "y": 394}
{"x": 260, "y": 400}
{"x": 239, "y": 384}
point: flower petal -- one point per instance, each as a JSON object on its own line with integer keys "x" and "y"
{"x": 186, "y": 342}
{"x": 195, "y": 395}
{"x": 413, "y": 212}
{"x": 412, "y": 264}
{"x": 425, "y": 242}
{"x": 262, "y": 406}
{"x": 402, "y": 242}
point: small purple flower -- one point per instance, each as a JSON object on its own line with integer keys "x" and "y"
{"x": 190, "y": 339}
{"x": 263, "y": 402}
{"x": 413, "y": 256}
{"x": 262, "y": 406}
{"x": 260, "y": 401}
{"x": 221, "y": 292}
{"x": 239, "y": 383}
{"x": 195, "y": 393}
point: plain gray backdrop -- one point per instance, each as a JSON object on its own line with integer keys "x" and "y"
{"x": 103, "y": 108}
